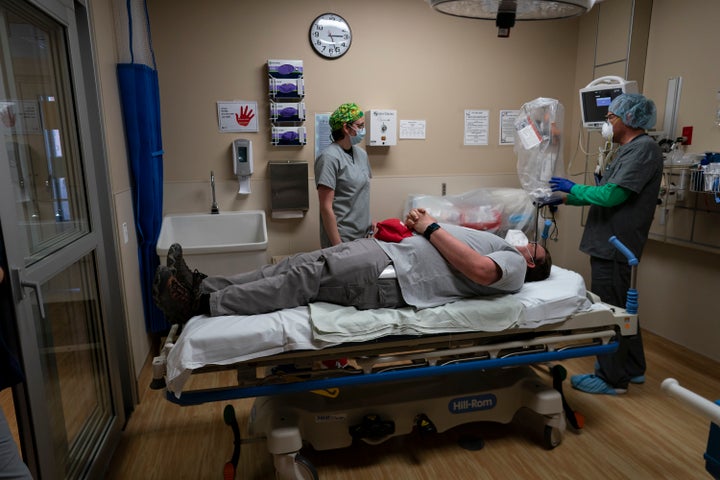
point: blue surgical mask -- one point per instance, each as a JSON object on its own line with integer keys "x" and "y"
{"x": 359, "y": 135}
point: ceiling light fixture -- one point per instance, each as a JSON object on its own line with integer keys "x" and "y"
{"x": 506, "y": 12}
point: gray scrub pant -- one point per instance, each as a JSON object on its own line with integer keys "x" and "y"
{"x": 345, "y": 274}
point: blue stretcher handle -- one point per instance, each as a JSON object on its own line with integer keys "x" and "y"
{"x": 546, "y": 229}
{"x": 632, "y": 260}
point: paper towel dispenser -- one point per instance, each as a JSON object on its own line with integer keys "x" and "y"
{"x": 289, "y": 195}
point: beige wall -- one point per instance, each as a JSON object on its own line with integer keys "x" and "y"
{"x": 404, "y": 56}
{"x": 682, "y": 44}
{"x": 426, "y": 66}
{"x": 106, "y": 53}
{"x": 678, "y": 285}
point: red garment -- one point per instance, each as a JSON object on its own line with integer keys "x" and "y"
{"x": 392, "y": 230}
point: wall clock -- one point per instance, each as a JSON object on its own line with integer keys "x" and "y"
{"x": 330, "y": 35}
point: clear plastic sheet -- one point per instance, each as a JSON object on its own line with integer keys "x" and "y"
{"x": 539, "y": 145}
{"x": 492, "y": 209}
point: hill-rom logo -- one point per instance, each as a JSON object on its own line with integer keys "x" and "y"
{"x": 472, "y": 403}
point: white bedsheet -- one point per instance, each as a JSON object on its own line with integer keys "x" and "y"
{"x": 234, "y": 338}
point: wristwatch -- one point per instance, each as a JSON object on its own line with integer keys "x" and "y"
{"x": 430, "y": 230}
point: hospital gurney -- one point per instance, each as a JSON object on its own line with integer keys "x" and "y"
{"x": 429, "y": 370}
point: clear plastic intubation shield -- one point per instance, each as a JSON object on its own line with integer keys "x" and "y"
{"x": 538, "y": 145}
{"x": 495, "y": 210}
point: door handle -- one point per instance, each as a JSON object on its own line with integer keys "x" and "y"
{"x": 18, "y": 285}
{"x": 38, "y": 293}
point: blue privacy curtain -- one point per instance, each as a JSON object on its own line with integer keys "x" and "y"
{"x": 140, "y": 98}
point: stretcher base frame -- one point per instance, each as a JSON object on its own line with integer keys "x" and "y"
{"x": 374, "y": 413}
{"x": 297, "y": 403}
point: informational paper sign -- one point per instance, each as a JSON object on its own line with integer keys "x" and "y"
{"x": 412, "y": 129}
{"x": 476, "y": 127}
{"x": 507, "y": 126}
{"x": 237, "y": 116}
{"x": 20, "y": 117}
{"x": 323, "y": 135}
{"x": 528, "y": 133}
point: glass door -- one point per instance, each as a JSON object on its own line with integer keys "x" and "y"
{"x": 53, "y": 244}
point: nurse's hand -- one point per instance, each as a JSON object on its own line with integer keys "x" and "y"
{"x": 559, "y": 184}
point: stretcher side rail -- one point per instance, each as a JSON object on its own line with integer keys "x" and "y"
{"x": 590, "y": 319}
{"x": 449, "y": 351}
{"x": 197, "y": 397}
{"x": 584, "y": 334}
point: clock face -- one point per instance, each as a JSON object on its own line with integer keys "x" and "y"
{"x": 330, "y": 35}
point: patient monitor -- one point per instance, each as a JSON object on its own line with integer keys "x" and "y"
{"x": 595, "y": 98}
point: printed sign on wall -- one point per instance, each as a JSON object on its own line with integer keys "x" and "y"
{"x": 237, "y": 116}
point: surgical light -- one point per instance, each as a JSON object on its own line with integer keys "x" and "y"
{"x": 506, "y": 12}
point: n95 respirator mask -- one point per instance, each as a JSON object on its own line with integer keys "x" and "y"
{"x": 516, "y": 238}
{"x": 607, "y": 130}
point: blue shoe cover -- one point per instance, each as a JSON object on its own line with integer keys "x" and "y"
{"x": 590, "y": 383}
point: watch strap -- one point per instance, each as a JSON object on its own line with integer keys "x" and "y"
{"x": 430, "y": 230}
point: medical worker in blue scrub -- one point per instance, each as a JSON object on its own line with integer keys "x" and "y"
{"x": 342, "y": 178}
{"x": 622, "y": 204}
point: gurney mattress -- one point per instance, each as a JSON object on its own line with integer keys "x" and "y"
{"x": 227, "y": 340}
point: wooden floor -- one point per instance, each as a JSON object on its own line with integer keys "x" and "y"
{"x": 642, "y": 435}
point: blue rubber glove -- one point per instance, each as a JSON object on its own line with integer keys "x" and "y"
{"x": 559, "y": 184}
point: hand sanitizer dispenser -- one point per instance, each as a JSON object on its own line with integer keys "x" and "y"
{"x": 242, "y": 163}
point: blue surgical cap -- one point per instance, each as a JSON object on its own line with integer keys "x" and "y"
{"x": 634, "y": 110}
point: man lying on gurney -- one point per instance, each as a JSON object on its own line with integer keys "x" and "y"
{"x": 434, "y": 264}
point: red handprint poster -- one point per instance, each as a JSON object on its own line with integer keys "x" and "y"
{"x": 237, "y": 116}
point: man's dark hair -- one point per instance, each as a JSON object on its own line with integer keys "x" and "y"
{"x": 541, "y": 270}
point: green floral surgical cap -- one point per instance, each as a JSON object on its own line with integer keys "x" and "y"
{"x": 345, "y": 113}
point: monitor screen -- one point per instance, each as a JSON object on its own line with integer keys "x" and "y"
{"x": 595, "y": 104}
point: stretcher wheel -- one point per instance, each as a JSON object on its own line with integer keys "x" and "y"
{"x": 305, "y": 468}
{"x": 551, "y": 437}
{"x": 300, "y": 469}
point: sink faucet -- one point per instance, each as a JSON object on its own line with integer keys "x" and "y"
{"x": 214, "y": 207}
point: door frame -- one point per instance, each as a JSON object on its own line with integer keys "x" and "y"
{"x": 100, "y": 241}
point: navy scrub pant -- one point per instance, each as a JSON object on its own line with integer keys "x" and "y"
{"x": 610, "y": 280}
